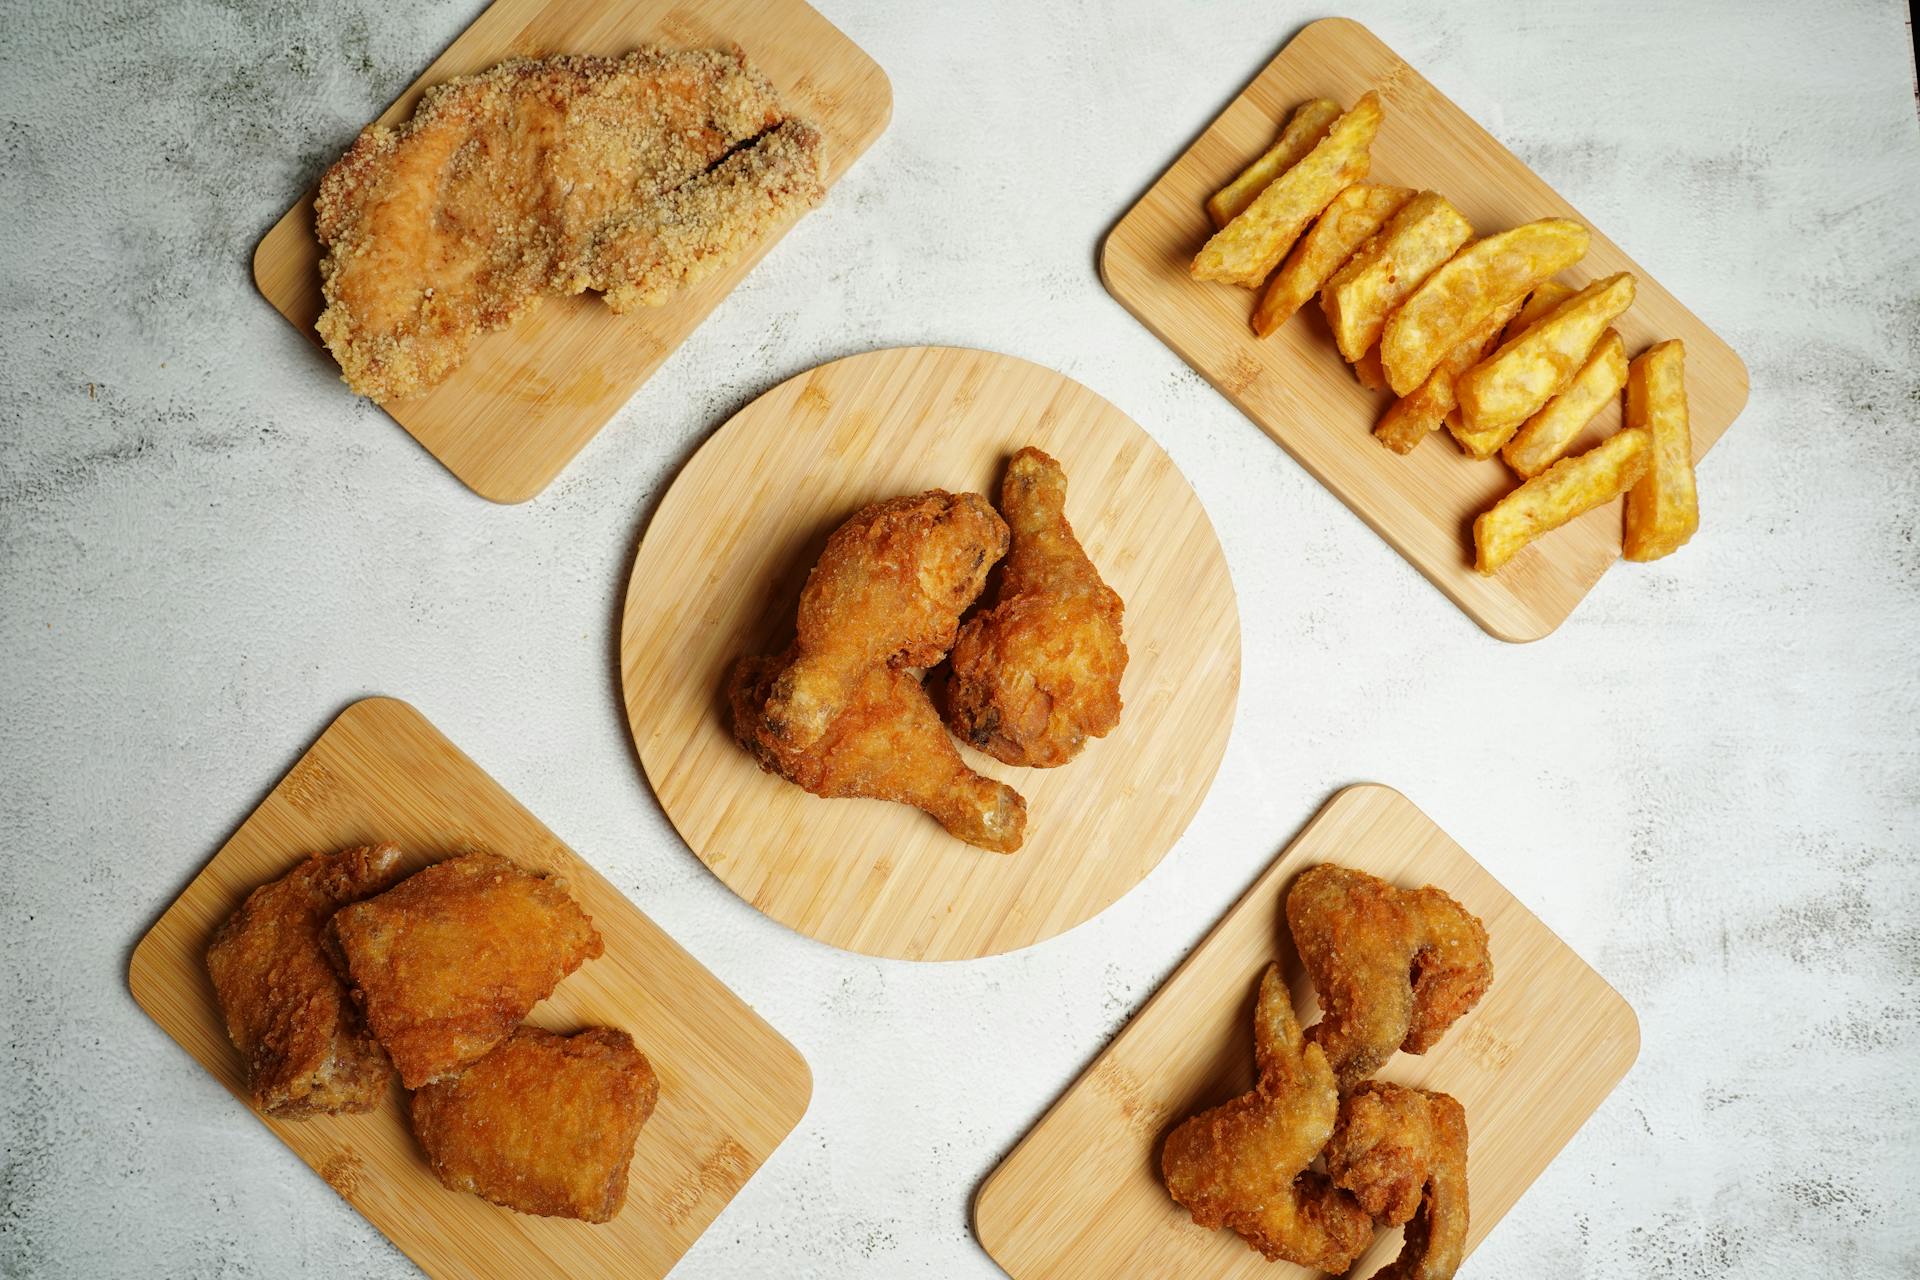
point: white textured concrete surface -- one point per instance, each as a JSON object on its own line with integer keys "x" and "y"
{"x": 1708, "y": 781}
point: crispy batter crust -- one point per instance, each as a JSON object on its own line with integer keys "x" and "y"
{"x": 447, "y": 963}
{"x": 1403, "y": 1154}
{"x": 636, "y": 176}
{"x": 1394, "y": 968}
{"x": 307, "y": 1050}
{"x": 543, "y": 1124}
{"x": 1039, "y": 673}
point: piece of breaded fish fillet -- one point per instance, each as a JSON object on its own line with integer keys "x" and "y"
{"x": 307, "y": 1050}
{"x": 543, "y": 1124}
{"x": 447, "y": 962}
{"x": 637, "y": 176}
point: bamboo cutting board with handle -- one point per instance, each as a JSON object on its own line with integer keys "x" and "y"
{"x": 730, "y": 1087}
{"x": 529, "y": 397}
{"x": 1297, "y": 389}
{"x": 1081, "y": 1195}
{"x": 719, "y": 573}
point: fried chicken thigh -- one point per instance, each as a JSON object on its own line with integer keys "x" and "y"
{"x": 447, "y": 962}
{"x": 1403, "y": 1154}
{"x": 1394, "y": 968}
{"x": 1243, "y": 1164}
{"x": 886, "y": 743}
{"x": 307, "y": 1049}
{"x": 543, "y": 1124}
{"x": 637, "y": 176}
{"x": 1039, "y": 673}
{"x": 889, "y": 590}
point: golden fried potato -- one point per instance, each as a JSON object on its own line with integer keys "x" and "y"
{"x": 1550, "y": 432}
{"x": 1569, "y": 488}
{"x": 1368, "y": 371}
{"x": 1663, "y": 509}
{"x": 1472, "y": 285}
{"x": 1515, "y": 382}
{"x": 1361, "y": 295}
{"x": 1355, "y": 214}
{"x": 1542, "y": 300}
{"x": 1482, "y": 445}
{"x": 1246, "y": 250}
{"x": 1309, "y": 124}
{"x": 1413, "y": 418}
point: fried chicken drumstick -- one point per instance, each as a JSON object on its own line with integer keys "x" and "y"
{"x": 637, "y": 176}
{"x": 1394, "y": 968}
{"x": 1039, "y": 673}
{"x": 1243, "y": 1164}
{"x": 1403, "y": 1154}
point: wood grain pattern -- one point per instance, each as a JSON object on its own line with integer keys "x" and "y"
{"x": 1081, "y": 1195}
{"x": 529, "y": 397}
{"x": 719, "y": 572}
{"x": 730, "y": 1087}
{"x": 1296, "y": 388}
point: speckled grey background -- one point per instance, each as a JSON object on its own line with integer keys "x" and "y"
{"x": 1708, "y": 781}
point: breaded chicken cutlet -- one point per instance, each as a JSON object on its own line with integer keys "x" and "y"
{"x": 446, "y": 963}
{"x": 635, "y": 176}
{"x": 307, "y": 1049}
{"x": 542, "y": 1124}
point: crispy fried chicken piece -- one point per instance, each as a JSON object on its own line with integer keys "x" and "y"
{"x": 887, "y": 743}
{"x": 637, "y": 176}
{"x": 447, "y": 962}
{"x": 1403, "y": 1154}
{"x": 1394, "y": 967}
{"x": 307, "y": 1049}
{"x": 1243, "y": 1164}
{"x": 543, "y": 1123}
{"x": 1039, "y": 673}
{"x": 888, "y": 590}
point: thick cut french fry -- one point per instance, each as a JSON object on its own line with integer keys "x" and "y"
{"x": 1355, "y": 214}
{"x": 1663, "y": 509}
{"x": 1309, "y": 124}
{"x": 1542, "y": 300}
{"x": 1390, "y": 266}
{"x": 1515, "y": 382}
{"x": 1412, "y": 418}
{"x": 1483, "y": 444}
{"x": 1367, "y": 372}
{"x": 1246, "y": 250}
{"x": 1569, "y": 488}
{"x": 1550, "y": 432}
{"x": 1470, "y": 287}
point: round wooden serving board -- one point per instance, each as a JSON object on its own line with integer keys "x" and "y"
{"x": 719, "y": 572}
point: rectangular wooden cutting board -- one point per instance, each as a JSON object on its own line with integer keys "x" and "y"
{"x": 1296, "y": 388}
{"x": 730, "y": 1087}
{"x": 1081, "y": 1195}
{"x": 529, "y": 397}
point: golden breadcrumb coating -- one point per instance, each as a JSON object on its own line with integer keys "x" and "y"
{"x": 447, "y": 962}
{"x": 307, "y": 1049}
{"x": 1403, "y": 1154}
{"x": 636, "y": 176}
{"x": 543, "y": 1124}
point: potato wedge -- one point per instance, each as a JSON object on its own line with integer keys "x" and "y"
{"x": 1246, "y": 250}
{"x": 1361, "y": 295}
{"x": 1355, "y": 214}
{"x": 1549, "y": 433}
{"x": 1516, "y": 381}
{"x": 1308, "y": 124}
{"x": 1367, "y": 371}
{"x": 1412, "y": 418}
{"x": 1569, "y": 488}
{"x": 1481, "y": 445}
{"x": 1663, "y": 509}
{"x": 1469, "y": 288}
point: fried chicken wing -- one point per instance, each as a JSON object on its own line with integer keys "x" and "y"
{"x": 888, "y": 589}
{"x": 636, "y": 176}
{"x": 1039, "y": 673}
{"x": 448, "y": 961}
{"x": 1243, "y": 1164}
{"x": 1394, "y": 967}
{"x": 1403, "y": 1154}
{"x": 543, "y": 1123}
{"x": 306, "y": 1046}
{"x": 886, "y": 743}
